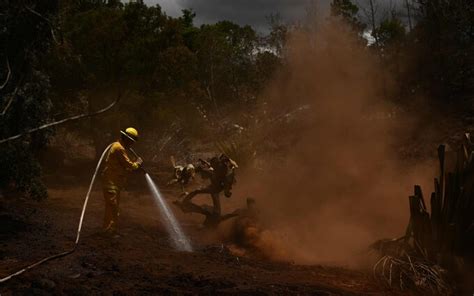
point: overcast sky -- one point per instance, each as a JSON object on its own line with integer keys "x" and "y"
{"x": 254, "y": 12}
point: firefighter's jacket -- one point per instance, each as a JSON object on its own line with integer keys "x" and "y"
{"x": 117, "y": 167}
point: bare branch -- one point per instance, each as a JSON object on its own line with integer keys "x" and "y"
{"x": 12, "y": 97}
{"x": 407, "y": 4}
{"x": 46, "y": 20}
{"x": 8, "y": 74}
{"x": 373, "y": 11}
{"x": 51, "y": 124}
{"x": 370, "y": 13}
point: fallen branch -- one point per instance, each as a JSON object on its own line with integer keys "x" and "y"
{"x": 8, "y": 74}
{"x": 419, "y": 274}
{"x": 51, "y": 124}
{"x": 10, "y": 101}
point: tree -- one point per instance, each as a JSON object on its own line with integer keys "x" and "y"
{"x": 390, "y": 32}
{"x": 445, "y": 35}
{"x": 347, "y": 11}
{"x": 76, "y": 56}
{"x": 278, "y": 36}
{"x": 25, "y": 91}
{"x": 225, "y": 54}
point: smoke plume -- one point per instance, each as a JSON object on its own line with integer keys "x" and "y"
{"x": 340, "y": 185}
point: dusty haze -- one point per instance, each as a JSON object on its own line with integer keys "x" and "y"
{"x": 341, "y": 185}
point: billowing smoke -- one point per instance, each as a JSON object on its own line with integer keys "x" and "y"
{"x": 340, "y": 185}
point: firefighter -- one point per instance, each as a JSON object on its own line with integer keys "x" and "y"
{"x": 221, "y": 173}
{"x": 114, "y": 176}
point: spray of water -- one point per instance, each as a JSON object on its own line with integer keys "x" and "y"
{"x": 180, "y": 240}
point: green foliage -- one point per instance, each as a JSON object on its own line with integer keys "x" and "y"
{"x": 347, "y": 11}
{"x": 278, "y": 34}
{"x": 177, "y": 74}
{"x": 163, "y": 62}
{"x": 344, "y": 8}
{"x": 445, "y": 34}
{"x": 267, "y": 64}
{"x": 23, "y": 173}
{"x": 225, "y": 55}
{"x": 188, "y": 18}
{"x": 390, "y": 32}
{"x": 25, "y": 98}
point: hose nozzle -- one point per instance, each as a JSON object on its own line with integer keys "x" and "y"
{"x": 138, "y": 157}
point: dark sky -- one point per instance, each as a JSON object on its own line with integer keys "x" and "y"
{"x": 255, "y": 12}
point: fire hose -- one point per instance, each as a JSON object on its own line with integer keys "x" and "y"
{"x": 138, "y": 157}
{"x": 78, "y": 235}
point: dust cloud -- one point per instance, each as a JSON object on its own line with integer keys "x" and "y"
{"x": 341, "y": 184}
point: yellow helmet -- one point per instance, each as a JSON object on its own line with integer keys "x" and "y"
{"x": 131, "y": 134}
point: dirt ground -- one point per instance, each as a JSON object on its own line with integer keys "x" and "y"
{"x": 142, "y": 262}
